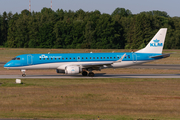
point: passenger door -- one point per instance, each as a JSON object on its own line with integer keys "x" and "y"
{"x": 134, "y": 57}
{"x": 29, "y": 59}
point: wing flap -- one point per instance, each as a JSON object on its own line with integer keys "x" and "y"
{"x": 95, "y": 64}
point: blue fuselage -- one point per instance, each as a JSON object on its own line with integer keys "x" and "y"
{"x": 53, "y": 61}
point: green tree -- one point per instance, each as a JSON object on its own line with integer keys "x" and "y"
{"x": 122, "y": 12}
{"x": 4, "y": 28}
{"x": 88, "y": 35}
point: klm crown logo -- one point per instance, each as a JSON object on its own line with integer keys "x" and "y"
{"x": 156, "y": 43}
{"x": 43, "y": 56}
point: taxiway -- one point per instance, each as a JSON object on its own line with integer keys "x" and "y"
{"x": 104, "y": 75}
{"x": 96, "y": 76}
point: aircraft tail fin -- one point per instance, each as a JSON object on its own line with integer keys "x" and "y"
{"x": 156, "y": 44}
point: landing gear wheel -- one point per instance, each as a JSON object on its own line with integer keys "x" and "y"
{"x": 24, "y": 75}
{"x": 91, "y": 74}
{"x": 84, "y": 73}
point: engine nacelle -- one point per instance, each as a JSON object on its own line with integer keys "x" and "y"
{"x": 60, "y": 71}
{"x": 72, "y": 70}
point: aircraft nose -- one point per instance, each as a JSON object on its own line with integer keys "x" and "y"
{"x": 7, "y": 65}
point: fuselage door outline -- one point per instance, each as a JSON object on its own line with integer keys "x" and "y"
{"x": 134, "y": 56}
{"x": 29, "y": 60}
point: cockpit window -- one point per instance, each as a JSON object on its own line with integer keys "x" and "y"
{"x": 16, "y": 58}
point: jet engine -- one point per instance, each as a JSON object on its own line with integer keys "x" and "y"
{"x": 72, "y": 70}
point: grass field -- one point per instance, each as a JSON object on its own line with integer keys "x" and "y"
{"x": 90, "y": 98}
{"x": 122, "y": 98}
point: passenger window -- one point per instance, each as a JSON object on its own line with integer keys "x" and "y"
{"x": 47, "y": 58}
{"x": 70, "y": 58}
{"x": 107, "y": 57}
{"x": 82, "y": 58}
{"x": 101, "y": 57}
{"x": 86, "y": 58}
{"x": 114, "y": 57}
{"x": 90, "y": 57}
{"x": 59, "y": 58}
{"x": 55, "y": 58}
{"x": 74, "y": 58}
{"x": 128, "y": 56}
{"x": 118, "y": 57}
{"x": 18, "y": 58}
{"x": 94, "y": 58}
{"x": 43, "y": 58}
{"x": 66, "y": 58}
{"x": 97, "y": 57}
{"x": 40, "y": 58}
{"x": 104, "y": 57}
{"x": 110, "y": 57}
{"x": 63, "y": 58}
{"x": 51, "y": 58}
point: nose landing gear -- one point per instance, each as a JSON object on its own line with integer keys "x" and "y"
{"x": 23, "y": 73}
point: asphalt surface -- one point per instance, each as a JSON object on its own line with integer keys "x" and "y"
{"x": 156, "y": 66}
{"x": 103, "y": 75}
{"x": 2, "y": 64}
{"x": 96, "y": 76}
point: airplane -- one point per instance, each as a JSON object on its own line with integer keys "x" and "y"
{"x": 85, "y": 63}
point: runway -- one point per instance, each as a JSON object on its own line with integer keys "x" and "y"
{"x": 156, "y": 66}
{"x": 104, "y": 75}
{"x": 2, "y": 64}
{"x": 143, "y": 66}
{"x": 96, "y": 76}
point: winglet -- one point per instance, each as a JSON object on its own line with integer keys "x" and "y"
{"x": 120, "y": 58}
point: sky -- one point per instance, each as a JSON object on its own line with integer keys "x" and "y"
{"x": 172, "y": 7}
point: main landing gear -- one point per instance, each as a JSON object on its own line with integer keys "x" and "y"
{"x": 23, "y": 73}
{"x": 91, "y": 74}
{"x": 85, "y": 73}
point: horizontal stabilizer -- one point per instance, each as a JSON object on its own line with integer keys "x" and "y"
{"x": 163, "y": 55}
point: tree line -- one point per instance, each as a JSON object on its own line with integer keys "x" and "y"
{"x": 92, "y": 30}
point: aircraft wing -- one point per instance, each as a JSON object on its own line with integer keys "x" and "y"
{"x": 101, "y": 64}
{"x": 163, "y": 55}
{"x": 95, "y": 64}
{"x": 92, "y": 64}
